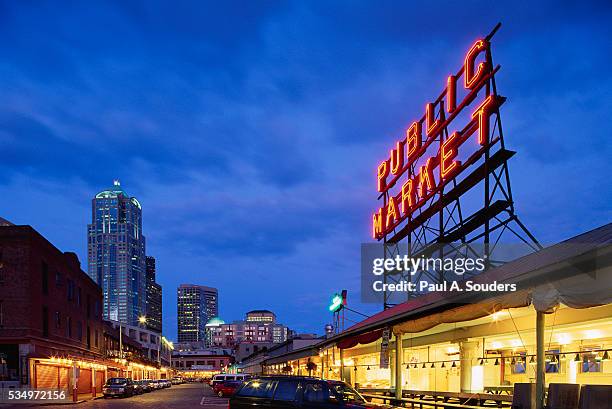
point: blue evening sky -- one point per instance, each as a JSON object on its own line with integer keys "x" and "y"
{"x": 250, "y": 130}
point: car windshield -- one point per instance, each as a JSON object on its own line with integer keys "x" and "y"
{"x": 345, "y": 393}
{"x": 116, "y": 381}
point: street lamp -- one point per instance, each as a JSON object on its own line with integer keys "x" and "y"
{"x": 142, "y": 319}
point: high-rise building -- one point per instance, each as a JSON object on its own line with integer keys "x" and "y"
{"x": 154, "y": 298}
{"x": 116, "y": 254}
{"x": 196, "y": 305}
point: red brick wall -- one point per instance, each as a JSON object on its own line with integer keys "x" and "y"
{"x": 21, "y": 292}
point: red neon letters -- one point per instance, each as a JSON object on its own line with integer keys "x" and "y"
{"x": 483, "y": 112}
{"x": 397, "y": 158}
{"x": 470, "y": 77}
{"x": 413, "y": 139}
{"x": 432, "y": 122}
{"x": 423, "y": 184}
{"x": 383, "y": 172}
{"x": 448, "y": 152}
{"x": 451, "y": 94}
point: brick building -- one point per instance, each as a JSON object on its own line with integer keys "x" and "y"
{"x": 50, "y": 314}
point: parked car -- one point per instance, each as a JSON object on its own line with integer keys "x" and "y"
{"x": 297, "y": 392}
{"x": 138, "y": 388}
{"x": 226, "y": 388}
{"x": 118, "y": 387}
{"x": 177, "y": 381}
{"x": 228, "y": 377}
{"x": 153, "y": 384}
{"x": 143, "y": 385}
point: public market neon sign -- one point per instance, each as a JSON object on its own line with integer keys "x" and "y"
{"x": 432, "y": 173}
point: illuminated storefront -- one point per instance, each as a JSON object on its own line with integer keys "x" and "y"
{"x": 485, "y": 344}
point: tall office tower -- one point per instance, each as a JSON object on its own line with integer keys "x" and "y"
{"x": 195, "y": 306}
{"x": 116, "y": 254}
{"x": 154, "y": 298}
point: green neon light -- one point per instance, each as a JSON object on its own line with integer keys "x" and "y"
{"x": 336, "y": 303}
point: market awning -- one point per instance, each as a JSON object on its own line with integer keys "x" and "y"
{"x": 466, "y": 312}
{"x": 292, "y": 356}
{"x": 576, "y": 272}
{"x": 366, "y": 338}
{"x": 580, "y": 290}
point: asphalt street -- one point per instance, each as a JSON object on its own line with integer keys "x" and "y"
{"x": 186, "y": 396}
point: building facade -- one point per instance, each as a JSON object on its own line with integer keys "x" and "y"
{"x": 190, "y": 362}
{"x": 116, "y": 254}
{"x": 154, "y": 298}
{"x": 259, "y": 326}
{"x": 49, "y": 308}
{"x": 153, "y": 347}
{"x": 196, "y": 305}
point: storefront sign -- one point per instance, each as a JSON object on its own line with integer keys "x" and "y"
{"x": 384, "y": 348}
{"x": 336, "y": 303}
{"x": 427, "y": 157}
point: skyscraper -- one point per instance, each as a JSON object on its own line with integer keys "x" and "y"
{"x": 116, "y": 254}
{"x": 154, "y": 298}
{"x": 196, "y": 305}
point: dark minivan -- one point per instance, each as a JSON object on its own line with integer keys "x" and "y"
{"x": 297, "y": 392}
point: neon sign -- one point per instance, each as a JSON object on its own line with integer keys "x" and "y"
{"x": 425, "y": 173}
{"x": 336, "y": 303}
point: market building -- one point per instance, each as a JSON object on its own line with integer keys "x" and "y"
{"x": 458, "y": 346}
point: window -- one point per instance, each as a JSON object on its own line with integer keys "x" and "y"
{"x": 79, "y": 331}
{"x": 96, "y": 339}
{"x": 259, "y": 388}
{"x": 70, "y": 292}
{"x": 79, "y": 297}
{"x": 45, "y": 278}
{"x": 552, "y": 361}
{"x": 88, "y": 337}
{"x": 68, "y": 327}
{"x": 286, "y": 390}
{"x": 1, "y": 313}
{"x": 313, "y": 392}
{"x": 348, "y": 394}
{"x": 58, "y": 279}
{"x": 58, "y": 319}
{"x": 591, "y": 361}
{"x": 520, "y": 363}
{"x": 45, "y": 322}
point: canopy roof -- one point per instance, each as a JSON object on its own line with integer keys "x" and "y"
{"x": 576, "y": 272}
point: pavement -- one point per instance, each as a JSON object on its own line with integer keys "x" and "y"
{"x": 186, "y": 396}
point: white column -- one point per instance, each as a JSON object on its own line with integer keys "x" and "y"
{"x": 468, "y": 354}
{"x": 399, "y": 355}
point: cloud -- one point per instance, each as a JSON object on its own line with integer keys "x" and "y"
{"x": 251, "y": 131}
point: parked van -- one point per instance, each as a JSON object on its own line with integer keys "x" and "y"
{"x": 229, "y": 377}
